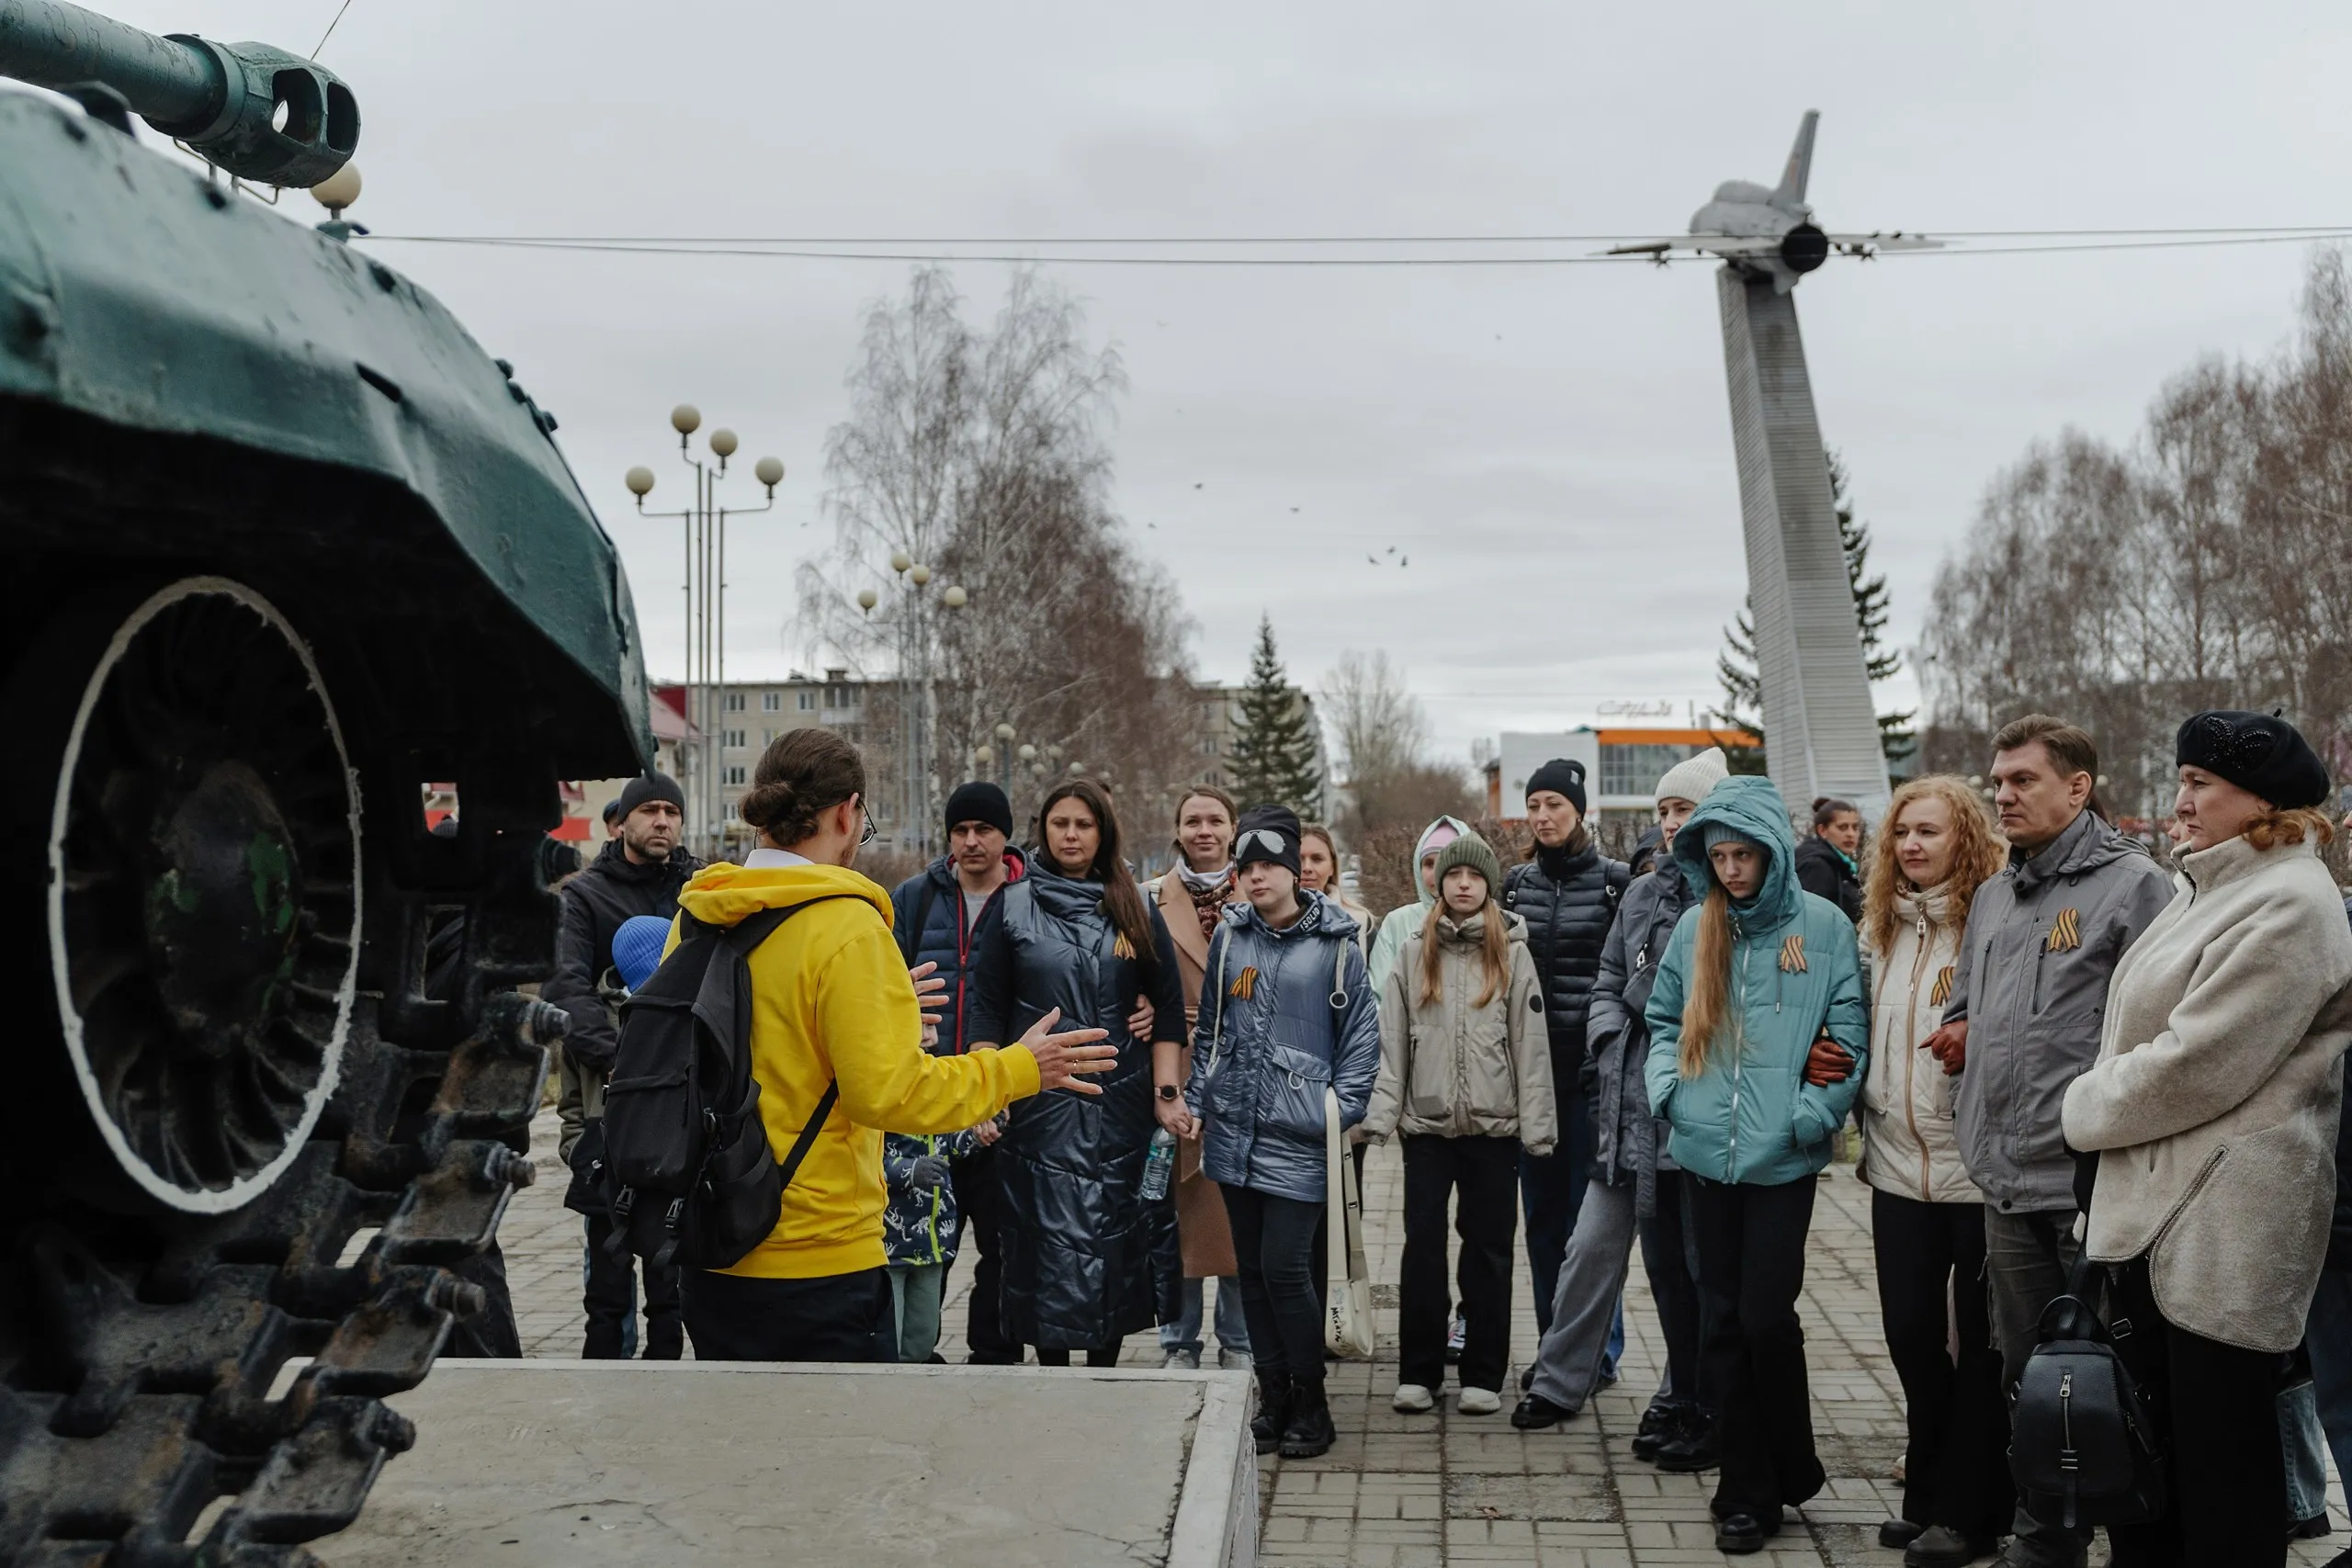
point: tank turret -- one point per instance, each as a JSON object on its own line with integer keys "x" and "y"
{"x": 259, "y": 112}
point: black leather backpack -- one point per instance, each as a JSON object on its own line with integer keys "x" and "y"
{"x": 2082, "y": 1445}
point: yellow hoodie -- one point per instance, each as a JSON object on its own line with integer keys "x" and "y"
{"x": 831, "y": 1000}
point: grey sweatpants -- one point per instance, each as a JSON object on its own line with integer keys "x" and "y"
{"x": 1584, "y": 1304}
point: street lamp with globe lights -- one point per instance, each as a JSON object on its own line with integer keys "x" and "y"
{"x": 918, "y": 719}
{"x": 704, "y": 520}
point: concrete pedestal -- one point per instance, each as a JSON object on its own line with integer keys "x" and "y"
{"x": 580, "y": 1464}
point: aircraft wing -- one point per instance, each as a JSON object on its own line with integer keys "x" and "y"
{"x": 1891, "y": 239}
{"x": 1711, "y": 244}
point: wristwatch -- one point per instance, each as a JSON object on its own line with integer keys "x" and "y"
{"x": 1167, "y": 1091}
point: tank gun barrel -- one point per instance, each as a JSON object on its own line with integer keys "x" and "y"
{"x": 259, "y": 112}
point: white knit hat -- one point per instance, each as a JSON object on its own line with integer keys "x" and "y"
{"x": 1691, "y": 778}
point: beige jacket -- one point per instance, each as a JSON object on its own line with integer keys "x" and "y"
{"x": 2215, "y": 1095}
{"x": 1455, "y": 1070}
{"x": 1910, "y": 1146}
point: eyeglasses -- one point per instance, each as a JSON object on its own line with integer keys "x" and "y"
{"x": 871, "y": 831}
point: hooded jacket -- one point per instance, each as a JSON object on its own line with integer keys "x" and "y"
{"x": 2218, "y": 1090}
{"x": 1401, "y": 922}
{"x": 1452, "y": 1069}
{"x": 1286, "y": 1015}
{"x": 1910, "y": 1146}
{"x": 928, "y": 922}
{"x": 1077, "y": 1236}
{"x": 596, "y": 902}
{"x": 921, "y": 1225}
{"x": 1568, "y": 898}
{"x": 1750, "y": 1116}
{"x": 2042, "y": 942}
{"x": 1632, "y": 1141}
{"x": 831, "y": 1002}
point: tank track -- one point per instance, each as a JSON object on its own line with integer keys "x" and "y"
{"x": 144, "y": 1355}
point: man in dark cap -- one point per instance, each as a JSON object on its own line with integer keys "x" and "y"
{"x": 637, "y": 872}
{"x": 937, "y": 917}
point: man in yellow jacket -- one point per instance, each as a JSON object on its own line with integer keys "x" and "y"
{"x": 831, "y": 1002}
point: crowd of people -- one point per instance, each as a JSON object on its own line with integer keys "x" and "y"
{"x": 2078, "y": 1074}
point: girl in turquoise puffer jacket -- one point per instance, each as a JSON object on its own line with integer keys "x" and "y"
{"x": 1758, "y": 1032}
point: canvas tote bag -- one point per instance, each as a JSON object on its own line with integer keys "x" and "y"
{"x": 1347, "y": 1294}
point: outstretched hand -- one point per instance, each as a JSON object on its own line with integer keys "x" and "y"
{"x": 1827, "y": 1063}
{"x": 1949, "y": 1045}
{"x": 1065, "y": 1059}
{"x": 931, "y": 994}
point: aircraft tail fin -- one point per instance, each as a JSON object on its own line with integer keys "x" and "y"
{"x": 1791, "y": 194}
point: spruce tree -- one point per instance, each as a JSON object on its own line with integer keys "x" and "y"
{"x": 1273, "y": 750}
{"x": 1736, "y": 669}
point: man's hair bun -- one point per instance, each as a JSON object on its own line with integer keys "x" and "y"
{"x": 803, "y": 774}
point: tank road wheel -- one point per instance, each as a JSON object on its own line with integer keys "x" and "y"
{"x": 223, "y": 1084}
{"x": 203, "y": 916}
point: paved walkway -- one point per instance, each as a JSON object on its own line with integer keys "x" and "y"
{"x": 1413, "y": 1490}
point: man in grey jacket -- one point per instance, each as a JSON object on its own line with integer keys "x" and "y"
{"x": 2023, "y": 1022}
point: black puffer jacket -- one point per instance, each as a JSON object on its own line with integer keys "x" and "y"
{"x": 1825, "y": 874}
{"x": 1078, "y": 1237}
{"x": 1568, "y": 898}
{"x": 596, "y": 902}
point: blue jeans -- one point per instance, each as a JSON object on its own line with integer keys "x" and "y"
{"x": 2327, "y": 1333}
{"x": 1232, "y": 1329}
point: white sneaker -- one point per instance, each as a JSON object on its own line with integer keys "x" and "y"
{"x": 1478, "y": 1402}
{"x": 1235, "y": 1361}
{"x": 1412, "y": 1399}
{"x": 1181, "y": 1360}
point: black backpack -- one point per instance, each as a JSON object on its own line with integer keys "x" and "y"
{"x": 687, "y": 1169}
{"x": 2082, "y": 1446}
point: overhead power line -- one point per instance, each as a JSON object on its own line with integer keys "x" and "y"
{"x": 2062, "y": 241}
{"x": 1478, "y": 239}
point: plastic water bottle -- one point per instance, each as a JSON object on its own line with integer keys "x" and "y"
{"x": 1158, "y": 1164}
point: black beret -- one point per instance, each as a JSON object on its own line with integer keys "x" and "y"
{"x": 2259, "y": 752}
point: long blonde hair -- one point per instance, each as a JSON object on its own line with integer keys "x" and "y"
{"x": 1494, "y": 948}
{"x": 1708, "y": 999}
{"x": 1976, "y": 859}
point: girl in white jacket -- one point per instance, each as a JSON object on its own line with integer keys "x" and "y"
{"x": 1927, "y": 1218}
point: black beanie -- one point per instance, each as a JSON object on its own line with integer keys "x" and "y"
{"x": 1563, "y": 774}
{"x": 1267, "y": 833}
{"x": 981, "y": 801}
{"x": 2261, "y": 754}
{"x": 645, "y": 787}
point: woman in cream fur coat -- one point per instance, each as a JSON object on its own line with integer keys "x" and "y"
{"x": 2212, "y": 1108}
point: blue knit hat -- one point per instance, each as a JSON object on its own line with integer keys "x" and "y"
{"x": 637, "y": 948}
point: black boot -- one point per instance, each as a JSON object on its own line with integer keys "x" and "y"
{"x": 1657, "y": 1426}
{"x": 1273, "y": 1411}
{"x": 1694, "y": 1446}
{"x": 1309, "y": 1432}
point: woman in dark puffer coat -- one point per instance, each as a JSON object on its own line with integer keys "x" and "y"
{"x": 1568, "y": 892}
{"x": 1077, "y": 936}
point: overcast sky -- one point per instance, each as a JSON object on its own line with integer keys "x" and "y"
{"x": 1549, "y": 446}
